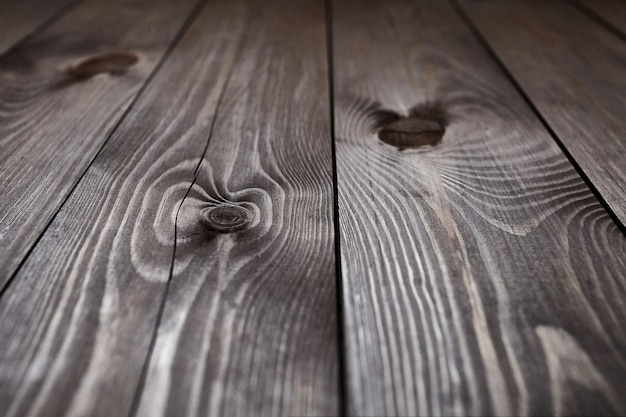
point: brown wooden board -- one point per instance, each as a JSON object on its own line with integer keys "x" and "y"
{"x": 481, "y": 276}
{"x": 573, "y": 70}
{"x": 61, "y": 94}
{"x": 250, "y": 326}
{"x": 19, "y": 18}
{"x": 77, "y": 321}
{"x": 612, "y": 11}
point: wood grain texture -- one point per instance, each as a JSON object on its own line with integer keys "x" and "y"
{"x": 20, "y": 18}
{"x": 77, "y": 321}
{"x": 250, "y": 326}
{"x": 612, "y": 11}
{"x": 573, "y": 70}
{"x": 53, "y": 123}
{"x": 480, "y": 275}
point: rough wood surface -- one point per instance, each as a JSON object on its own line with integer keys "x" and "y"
{"x": 573, "y": 70}
{"x": 250, "y": 326}
{"x": 52, "y": 123}
{"x": 77, "y": 321}
{"x": 19, "y": 18}
{"x": 612, "y": 11}
{"x": 480, "y": 274}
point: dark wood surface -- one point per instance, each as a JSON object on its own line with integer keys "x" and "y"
{"x": 572, "y": 69}
{"x": 343, "y": 207}
{"x": 612, "y": 11}
{"x": 95, "y": 282}
{"x": 19, "y": 19}
{"x": 250, "y": 326}
{"x": 480, "y": 274}
{"x": 52, "y": 122}
{"x": 131, "y": 194}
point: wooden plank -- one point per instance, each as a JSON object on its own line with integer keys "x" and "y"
{"x": 480, "y": 274}
{"x": 58, "y": 105}
{"x": 20, "y": 18}
{"x": 612, "y": 11}
{"x": 77, "y": 321}
{"x": 572, "y": 69}
{"x": 250, "y": 326}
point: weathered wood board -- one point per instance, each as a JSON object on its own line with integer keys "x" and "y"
{"x": 250, "y": 324}
{"x": 480, "y": 274}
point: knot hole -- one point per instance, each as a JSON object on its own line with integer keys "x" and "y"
{"x": 425, "y": 125}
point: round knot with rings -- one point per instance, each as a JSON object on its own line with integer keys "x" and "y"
{"x": 226, "y": 218}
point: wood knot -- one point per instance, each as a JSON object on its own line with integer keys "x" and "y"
{"x": 412, "y": 132}
{"x": 112, "y": 63}
{"x": 226, "y": 218}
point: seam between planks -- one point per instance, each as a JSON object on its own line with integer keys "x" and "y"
{"x": 343, "y": 382}
{"x": 481, "y": 39}
{"x": 144, "y": 371}
{"x": 43, "y": 26}
{"x": 598, "y": 19}
{"x": 128, "y": 110}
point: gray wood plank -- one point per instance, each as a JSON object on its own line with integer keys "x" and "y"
{"x": 77, "y": 321}
{"x": 572, "y": 69}
{"x": 613, "y": 11}
{"x": 480, "y": 274}
{"x": 58, "y": 105}
{"x": 250, "y": 326}
{"x": 20, "y": 18}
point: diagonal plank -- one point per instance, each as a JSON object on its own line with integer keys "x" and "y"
{"x": 480, "y": 274}
{"x": 249, "y": 326}
{"x": 57, "y": 108}
{"x": 77, "y": 322}
{"x": 20, "y": 18}
{"x": 572, "y": 69}
{"x": 612, "y": 11}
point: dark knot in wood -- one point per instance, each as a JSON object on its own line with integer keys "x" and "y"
{"x": 226, "y": 218}
{"x": 112, "y": 62}
{"x": 412, "y": 132}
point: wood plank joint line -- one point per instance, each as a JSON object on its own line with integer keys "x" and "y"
{"x": 343, "y": 382}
